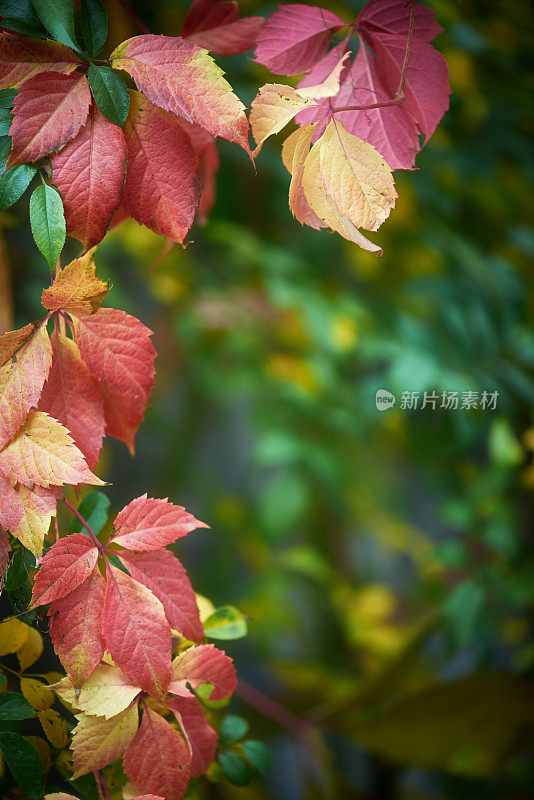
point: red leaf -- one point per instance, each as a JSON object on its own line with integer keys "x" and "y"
{"x": 149, "y": 524}
{"x": 203, "y": 664}
{"x": 295, "y": 37}
{"x": 71, "y": 396}
{"x": 184, "y": 79}
{"x": 21, "y": 383}
{"x": 206, "y": 150}
{"x": 5, "y": 550}
{"x": 26, "y": 513}
{"x": 427, "y": 80}
{"x": 393, "y": 17}
{"x": 157, "y": 758}
{"x": 68, "y": 563}
{"x": 43, "y": 453}
{"x": 12, "y": 341}
{"x": 76, "y": 628}
{"x": 136, "y": 632}
{"x": 163, "y": 182}
{"x": 21, "y": 57}
{"x": 117, "y": 349}
{"x": 164, "y": 575}
{"x": 123, "y": 414}
{"x": 216, "y": 26}
{"x": 49, "y": 110}
{"x": 89, "y": 173}
{"x": 200, "y": 735}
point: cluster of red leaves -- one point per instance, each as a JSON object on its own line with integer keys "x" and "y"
{"x": 160, "y": 169}
{"x": 113, "y": 636}
{"x": 59, "y": 396}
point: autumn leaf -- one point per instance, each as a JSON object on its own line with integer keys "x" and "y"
{"x": 98, "y": 741}
{"x": 44, "y": 453}
{"x": 26, "y": 513}
{"x": 206, "y": 150}
{"x": 273, "y": 108}
{"x": 49, "y": 110}
{"x": 203, "y": 664}
{"x": 202, "y": 738}
{"x": 162, "y": 573}
{"x": 22, "y": 57}
{"x": 21, "y": 382}
{"x": 75, "y": 288}
{"x": 215, "y": 25}
{"x": 136, "y": 632}
{"x": 163, "y": 179}
{"x": 295, "y": 37}
{"x": 89, "y": 173}
{"x": 106, "y": 693}
{"x": 123, "y": 415}
{"x": 76, "y": 628}
{"x": 31, "y": 650}
{"x": 295, "y": 150}
{"x": 68, "y": 563}
{"x": 393, "y": 17}
{"x": 184, "y": 79}
{"x": 149, "y": 524}
{"x": 157, "y": 758}
{"x": 12, "y": 341}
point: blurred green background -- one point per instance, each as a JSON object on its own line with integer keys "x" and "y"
{"x": 382, "y": 558}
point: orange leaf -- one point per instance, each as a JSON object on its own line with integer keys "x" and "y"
{"x": 76, "y": 289}
{"x": 24, "y": 56}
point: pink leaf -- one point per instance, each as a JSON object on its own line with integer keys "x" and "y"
{"x": 182, "y": 78}
{"x": 393, "y": 17}
{"x": 200, "y": 735}
{"x": 215, "y": 25}
{"x": 203, "y": 664}
{"x": 162, "y": 573}
{"x": 89, "y": 174}
{"x": 163, "y": 182}
{"x": 21, "y": 57}
{"x": 21, "y": 383}
{"x": 12, "y": 341}
{"x": 68, "y": 563}
{"x": 123, "y": 414}
{"x": 157, "y": 758}
{"x": 148, "y": 524}
{"x": 76, "y": 628}
{"x": 295, "y": 37}
{"x": 71, "y": 396}
{"x": 49, "y": 110}
{"x": 26, "y": 513}
{"x": 136, "y": 632}
{"x": 5, "y": 550}
{"x": 206, "y": 150}
{"x": 117, "y": 349}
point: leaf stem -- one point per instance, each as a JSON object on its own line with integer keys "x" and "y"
{"x": 85, "y": 525}
{"x": 133, "y": 16}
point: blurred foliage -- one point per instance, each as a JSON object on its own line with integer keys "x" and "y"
{"x": 381, "y": 557}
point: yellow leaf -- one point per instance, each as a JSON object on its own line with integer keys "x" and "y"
{"x": 329, "y": 87}
{"x": 298, "y": 148}
{"x": 31, "y": 650}
{"x": 273, "y": 107}
{"x": 36, "y": 693}
{"x": 97, "y": 741}
{"x": 13, "y": 634}
{"x": 105, "y": 693}
{"x": 76, "y": 288}
{"x": 54, "y": 726}
{"x": 43, "y": 749}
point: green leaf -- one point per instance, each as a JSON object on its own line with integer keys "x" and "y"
{"x": 58, "y": 18}
{"x": 461, "y": 611}
{"x": 19, "y": 16}
{"x": 5, "y": 149}
{"x": 94, "y": 25}
{"x": 258, "y": 754}
{"x": 24, "y": 762}
{"x": 15, "y": 706}
{"x": 7, "y": 97}
{"x": 14, "y": 183}
{"x": 110, "y": 93}
{"x": 47, "y": 222}
{"x": 232, "y": 728}
{"x": 94, "y": 508}
{"x": 226, "y": 622}
{"x": 5, "y": 121}
{"x": 504, "y": 449}
{"x": 115, "y": 560}
{"x": 235, "y": 768}
{"x": 18, "y": 571}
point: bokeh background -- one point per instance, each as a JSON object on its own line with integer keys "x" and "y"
{"x": 382, "y": 558}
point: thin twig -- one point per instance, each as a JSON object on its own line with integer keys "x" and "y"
{"x": 133, "y": 16}
{"x": 84, "y": 523}
{"x": 268, "y": 707}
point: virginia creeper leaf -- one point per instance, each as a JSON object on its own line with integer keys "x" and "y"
{"x": 68, "y": 563}
{"x": 393, "y": 17}
{"x": 24, "y": 762}
{"x": 110, "y": 93}
{"x": 47, "y": 222}
{"x": 206, "y": 151}
{"x": 106, "y": 693}
{"x": 295, "y": 37}
{"x": 149, "y": 524}
{"x": 49, "y": 110}
{"x": 94, "y": 508}
{"x": 273, "y": 107}
{"x": 89, "y": 173}
{"x": 21, "y": 383}
{"x": 44, "y": 453}
{"x": 19, "y": 16}
{"x": 97, "y": 742}
{"x": 182, "y": 78}
{"x": 136, "y": 632}
{"x": 27, "y": 512}
{"x": 76, "y": 628}
{"x": 215, "y": 25}
{"x": 200, "y": 735}
{"x": 94, "y": 25}
{"x": 157, "y": 759}
{"x": 12, "y": 341}
{"x": 123, "y": 414}
{"x": 58, "y": 18}
{"x": 14, "y": 183}
{"x": 76, "y": 289}
{"x": 295, "y": 151}
{"x": 203, "y": 664}
{"x": 21, "y": 57}
{"x": 162, "y": 573}
{"x": 163, "y": 178}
